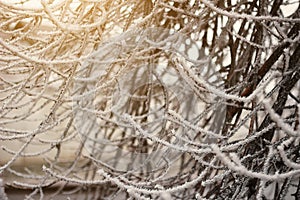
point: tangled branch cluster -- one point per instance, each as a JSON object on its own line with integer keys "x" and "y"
{"x": 150, "y": 99}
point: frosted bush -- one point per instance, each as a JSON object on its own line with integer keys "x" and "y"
{"x": 150, "y": 99}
